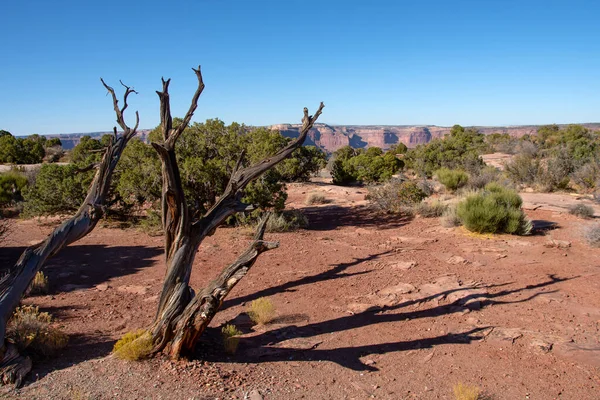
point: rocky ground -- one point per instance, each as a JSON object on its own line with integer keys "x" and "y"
{"x": 368, "y": 306}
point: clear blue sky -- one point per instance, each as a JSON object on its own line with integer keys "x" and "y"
{"x": 478, "y": 62}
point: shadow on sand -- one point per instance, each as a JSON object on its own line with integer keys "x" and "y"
{"x": 263, "y": 347}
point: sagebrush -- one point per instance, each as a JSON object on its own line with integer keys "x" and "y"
{"x": 396, "y": 197}
{"x": 316, "y": 198}
{"x": 592, "y": 235}
{"x": 287, "y": 221}
{"x": 33, "y": 334}
{"x": 581, "y": 210}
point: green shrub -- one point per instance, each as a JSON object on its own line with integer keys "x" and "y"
{"x": 230, "y": 338}
{"x": 33, "y": 334}
{"x": 287, "y": 221}
{"x": 494, "y": 210}
{"x": 134, "y": 346}
{"x": 581, "y": 210}
{"x": 452, "y": 179}
{"x": 262, "y": 311}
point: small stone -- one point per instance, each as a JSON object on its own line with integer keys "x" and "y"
{"x": 102, "y": 287}
{"x": 456, "y": 260}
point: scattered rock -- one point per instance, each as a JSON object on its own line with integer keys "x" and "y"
{"x": 542, "y": 345}
{"x": 102, "y": 287}
{"x": 254, "y": 395}
{"x": 559, "y": 244}
{"x": 401, "y": 288}
{"x": 69, "y": 287}
{"x": 456, "y": 260}
{"x": 358, "y": 308}
{"x": 133, "y": 289}
{"x": 505, "y": 334}
{"x": 403, "y": 265}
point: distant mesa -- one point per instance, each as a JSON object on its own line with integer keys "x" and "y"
{"x": 332, "y": 137}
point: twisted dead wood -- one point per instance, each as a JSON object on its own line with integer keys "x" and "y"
{"x": 17, "y": 279}
{"x": 182, "y": 316}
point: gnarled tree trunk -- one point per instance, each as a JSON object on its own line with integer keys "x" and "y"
{"x": 17, "y": 279}
{"x": 182, "y": 315}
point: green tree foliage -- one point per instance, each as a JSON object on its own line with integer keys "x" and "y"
{"x": 357, "y": 165}
{"x": 207, "y": 154}
{"x": 11, "y": 185}
{"x": 458, "y": 150}
{"x": 561, "y": 156}
{"x": 57, "y": 189}
{"x": 28, "y": 150}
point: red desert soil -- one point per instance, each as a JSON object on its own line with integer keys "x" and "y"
{"x": 367, "y": 307}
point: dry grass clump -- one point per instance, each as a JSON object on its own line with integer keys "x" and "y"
{"x": 231, "y": 340}
{"x": 396, "y": 197}
{"x": 316, "y": 198}
{"x": 450, "y": 218}
{"x": 134, "y": 346}
{"x": 32, "y": 333}
{"x": 287, "y": 221}
{"x": 581, "y": 210}
{"x": 431, "y": 209}
{"x": 592, "y": 235}
{"x": 262, "y": 311}
{"x": 39, "y": 285}
{"x": 466, "y": 392}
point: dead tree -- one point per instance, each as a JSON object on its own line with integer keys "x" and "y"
{"x": 13, "y": 366}
{"x": 182, "y": 315}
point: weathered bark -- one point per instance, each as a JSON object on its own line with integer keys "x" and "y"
{"x": 18, "y": 278}
{"x": 182, "y": 316}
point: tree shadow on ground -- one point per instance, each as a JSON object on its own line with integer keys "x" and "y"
{"x": 263, "y": 347}
{"x": 85, "y": 266}
{"x": 330, "y": 217}
{"x": 80, "y": 348}
{"x": 540, "y": 226}
{"x": 338, "y": 271}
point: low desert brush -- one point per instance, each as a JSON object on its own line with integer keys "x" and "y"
{"x": 287, "y": 221}
{"x": 592, "y": 235}
{"x": 431, "y": 209}
{"x": 262, "y": 311}
{"x": 396, "y": 197}
{"x": 231, "y": 340}
{"x": 316, "y": 198}
{"x": 581, "y": 210}
{"x": 450, "y": 218}
{"x": 33, "y": 334}
{"x": 39, "y": 285}
{"x": 495, "y": 209}
{"x": 134, "y": 346}
{"x": 466, "y": 392}
{"x": 452, "y": 179}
